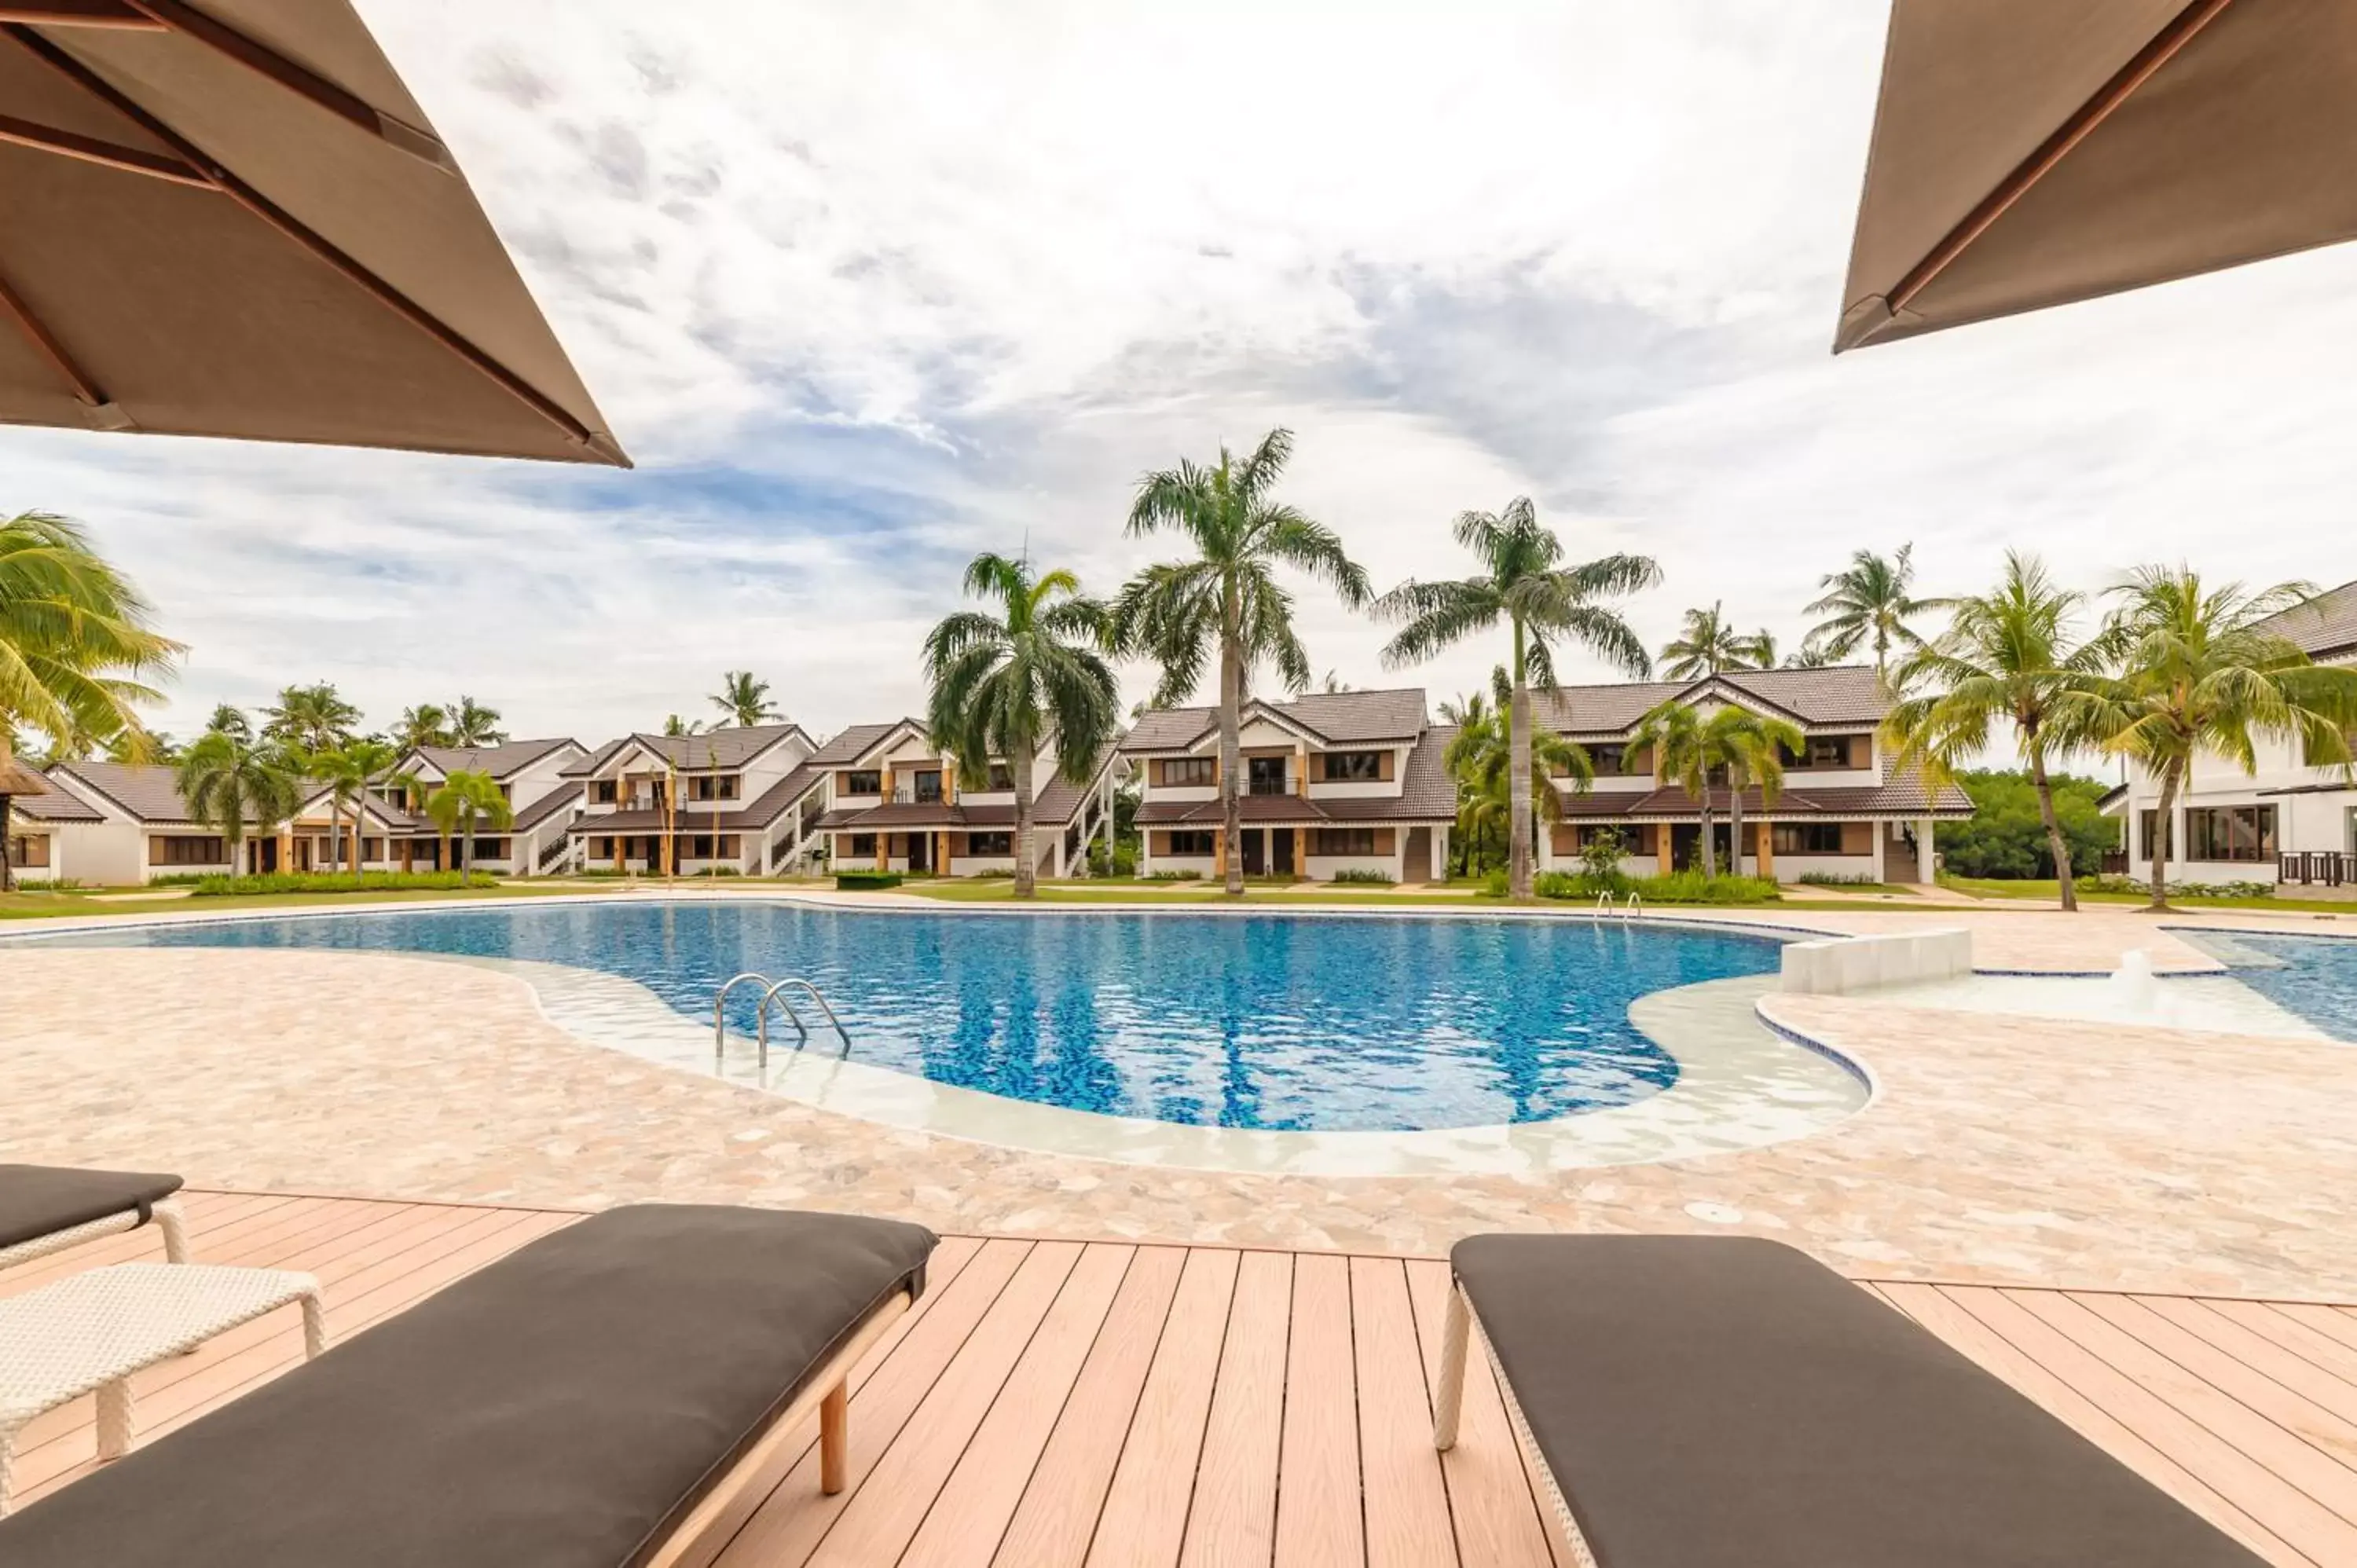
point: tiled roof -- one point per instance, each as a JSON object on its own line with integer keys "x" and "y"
{"x": 553, "y": 804}
{"x": 731, "y": 747}
{"x": 149, "y": 792}
{"x": 1902, "y": 797}
{"x": 1336, "y": 718}
{"x": 583, "y": 767}
{"x": 1838, "y": 695}
{"x": 58, "y": 804}
{"x": 845, "y": 748}
{"x": 498, "y": 761}
{"x": 778, "y": 798}
{"x": 2325, "y": 626}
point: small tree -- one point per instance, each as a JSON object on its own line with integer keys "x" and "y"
{"x": 1599, "y": 856}
{"x": 229, "y": 785}
{"x": 1680, "y": 744}
{"x": 467, "y": 800}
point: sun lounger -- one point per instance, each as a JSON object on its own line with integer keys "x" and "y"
{"x": 1717, "y": 1402}
{"x": 592, "y": 1400}
{"x": 46, "y": 1209}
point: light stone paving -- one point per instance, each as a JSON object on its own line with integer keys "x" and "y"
{"x": 1998, "y": 1149}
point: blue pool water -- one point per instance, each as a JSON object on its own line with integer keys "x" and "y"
{"x": 2318, "y": 980}
{"x": 1258, "y": 1022}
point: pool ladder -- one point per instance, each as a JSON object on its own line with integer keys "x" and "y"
{"x": 1629, "y": 911}
{"x": 770, "y": 990}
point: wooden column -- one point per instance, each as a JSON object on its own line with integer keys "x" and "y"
{"x": 1218, "y": 852}
{"x": 1665, "y": 854}
{"x": 1767, "y": 843}
{"x": 883, "y": 843}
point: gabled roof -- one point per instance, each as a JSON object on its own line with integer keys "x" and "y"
{"x": 857, "y": 741}
{"x": 1331, "y": 718}
{"x": 147, "y": 792}
{"x": 2325, "y": 627}
{"x": 55, "y": 804}
{"x": 1837, "y": 697}
{"x": 499, "y": 761}
{"x": 732, "y": 746}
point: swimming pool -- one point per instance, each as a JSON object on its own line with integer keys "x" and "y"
{"x": 2315, "y": 977}
{"x": 1287, "y": 1022}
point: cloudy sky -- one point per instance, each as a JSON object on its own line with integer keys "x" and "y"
{"x": 867, "y": 288}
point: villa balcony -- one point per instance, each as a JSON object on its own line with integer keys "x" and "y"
{"x": 2318, "y": 869}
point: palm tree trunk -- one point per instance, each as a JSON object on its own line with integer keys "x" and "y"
{"x": 1518, "y": 778}
{"x": 2163, "y": 841}
{"x": 1735, "y": 820}
{"x": 2055, "y": 843}
{"x": 8, "y": 805}
{"x": 1231, "y": 809}
{"x": 1026, "y": 880}
{"x": 1708, "y": 847}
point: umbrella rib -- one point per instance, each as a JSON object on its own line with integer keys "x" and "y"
{"x": 80, "y": 14}
{"x": 107, "y": 154}
{"x": 318, "y": 246}
{"x": 84, "y": 389}
{"x": 223, "y": 39}
{"x": 2158, "y": 51}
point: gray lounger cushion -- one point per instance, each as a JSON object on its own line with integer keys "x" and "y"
{"x": 1726, "y": 1402}
{"x": 40, "y": 1200}
{"x": 563, "y": 1408}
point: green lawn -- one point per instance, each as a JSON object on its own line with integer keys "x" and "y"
{"x": 2006, "y": 889}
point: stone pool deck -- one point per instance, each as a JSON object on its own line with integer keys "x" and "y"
{"x": 2002, "y": 1149}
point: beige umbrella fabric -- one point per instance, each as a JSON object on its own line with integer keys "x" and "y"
{"x": 2029, "y": 152}
{"x": 235, "y": 221}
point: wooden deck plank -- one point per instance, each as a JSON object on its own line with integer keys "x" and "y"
{"x": 2298, "y": 1338}
{"x": 2312, "y": 1423}
{"x": 2255, "y": 1351}
{"x": 1490, "y": 1497}
{"x": 2334, "y": 1323}
{"x": 1057, "y": 1516}
{"x": 1318, "y": 1520}
{"x": 1144, "y": 1517}
{"x": 970, "y": 1516}
{"x": 1232, "y": 1520}
{"x": 1406, "y": 1501}
{"x": 794, "y": 1518}
{"x": 1943, "y": 1316}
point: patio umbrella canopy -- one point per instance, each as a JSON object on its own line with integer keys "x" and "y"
{"x": 236, "y": 221}
{"x": 2028, "y": 153}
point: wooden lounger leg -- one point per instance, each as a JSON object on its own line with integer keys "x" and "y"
{"x": 835, "y": 1439}
{"x": 174, "y": 1226}
{"x": 1455, "y": 1330}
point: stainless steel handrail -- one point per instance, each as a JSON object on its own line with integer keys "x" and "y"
{"x": 1632, "y": 908}
{"x": 1603, "y": 906}
{"x": 762, "y": 1017}
{"x": 719, "y": 1018}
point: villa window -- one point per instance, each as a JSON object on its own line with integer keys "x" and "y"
{"x": 489, "y": 849}
{"x": 182, "y": 850}
{"x": 26, "y": 853}
{"x": 2149, "y": 836}
{"x": 989, "y": 843}
{"x": 862, "y": 847}
{"x": 601, "y": 791}
{"x": 706, "y": 787}
{"x": 2231, "y": 832}
{"x": 1353, "y": 767}
{"x": 864, "y": 781}
{"x": 1806, "y": 838}
{"x": 1190, "y": 840}
{"x": 1002, "y": 777}
{"x": 1609, "y": 761}
{"x": 1189, "y": 772}
{"x": 1342, "y": 841}
{"x": 601, "y": 849}
{"x": 1264, "y": 776}
{"x": 927, "y": 786}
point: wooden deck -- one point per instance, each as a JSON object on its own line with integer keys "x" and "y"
{"x": 1058, "y": 1402}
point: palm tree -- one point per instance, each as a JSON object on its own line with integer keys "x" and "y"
{"x": 230, "y": 721}
{"x": 1525, "y": 586}
{"x": 675, "y": 726}
{"x": 1009, "y": 687}
{"x": 1760, "y": 653}
{"x": 473, "y": 725}
{"x": 1706, "y": 645}
{"x": 465, "y": 800}
{"x": 348, "y": 772}
{"x": 744, "y": 700}
{"x": 2199, "y": 669}
{"x": 1683, "y": 750}
{"x": 423, "y": 726}
{"x": 310, "y": 719}
{"x": 2007, "y": 656}
{"x": 1869, "y": 602}
{"x": 1751, "y": 747}
{"x": 1225, "y": 603}
{"x": 230, "y": 784}
{"x": 1481, "y": 760}
{"x": 75, "y": 646}
{"x": 1810, "y": 655}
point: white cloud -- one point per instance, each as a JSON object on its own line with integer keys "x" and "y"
{"x": 867, "y": 288}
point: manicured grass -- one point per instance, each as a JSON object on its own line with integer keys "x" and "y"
{"x": 2006, "y": 889}
{"x": 81, "y": 906}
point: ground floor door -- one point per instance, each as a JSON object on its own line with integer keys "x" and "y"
{"x": 265, "y": 857}
{"x": 1416, "y": 860}
{"x": 921, "y": 852}
{"x": 1685, "y": 845}
{"x": 1255, "y": 852}
{"x": 1281, "y": 839}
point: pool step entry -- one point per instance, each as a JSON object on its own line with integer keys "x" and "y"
{"x": 770, "y": 995}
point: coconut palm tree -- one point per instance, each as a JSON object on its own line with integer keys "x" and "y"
{"x": 348, "y": 772}
{"x": 2008, "y": 657}
{"x": 1481, "y": 758}
{"x": 1708, "y": 644}
{"x": 676, "y": 727}
{"x": 310, "y": 719}
{"x": 745, "y": 700}
{"x": 1810, "y": 655}
{"x": 468, "y": 798}
{"x": 1684, "y": 751}
{"x": 423, "y": 725}
{"x": 1225, "y": 606}
{"x": 1751, "y": 747}
{"x": 2198, "y": 670}
{"x": 1008, "y": 687}
{"x": 1523, "y": 584}
{"x": 473, "y": 725}
{"x": 1870, "y": 603}
{"x": 230, "y": 720}
{"x": 76, "y": 647}
{"x": 1762, "y": 653}
{"x": 231, "y": 785}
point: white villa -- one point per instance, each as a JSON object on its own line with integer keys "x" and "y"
{"x": 895, "y": 803}
{"x": 1844, "y": 812}
{"x": 2285, "y": 821}
{"x": 743, "y": 800}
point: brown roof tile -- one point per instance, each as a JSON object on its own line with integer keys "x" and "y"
{"x": 1336, "y": 718}
{"x": 498, "y": 761}
{"x": 1841, "y": 695}
{"x": 2325, "y": 626}
{"x": 56, "y": 803}
{"x": 1905, "y": 797}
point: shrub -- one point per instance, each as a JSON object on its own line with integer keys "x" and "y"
{"x": 1172, "y": 876}
{"x": 1599, "y": 859}
{"x": 1495, "y": 885}
{"x": 867, "y": 881}
{"x": 1002, "y": 873}
{"x": 2112, "y": 882}
{"x": 1839, "y": 879}
{"x": 1678, "y": 887}
{"x": 1365, "y": 876}
{"x": 604, "y": 871}
{"x": 221, "y": 885}
{"x": 1124, "y": 858}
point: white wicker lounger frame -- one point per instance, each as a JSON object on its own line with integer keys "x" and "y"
{"x": 167, "y": 1214}
{"x": 1457, "y": 1329}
